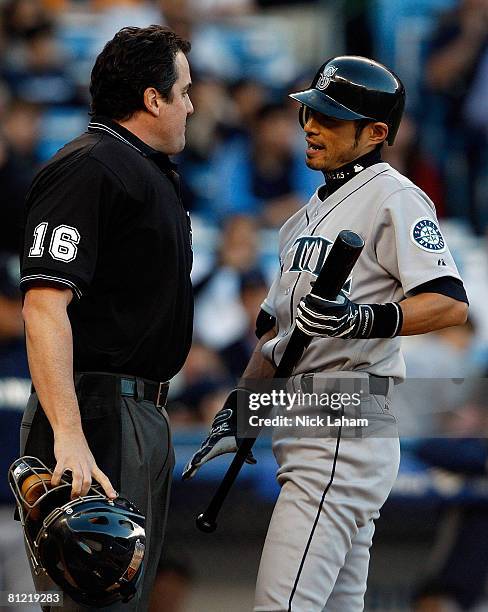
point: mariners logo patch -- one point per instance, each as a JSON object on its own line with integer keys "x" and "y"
{"x": 325, "y": 77}
{"x": 425, "y": 234}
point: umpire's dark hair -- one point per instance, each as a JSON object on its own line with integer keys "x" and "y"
{"x": 135, "y": 59}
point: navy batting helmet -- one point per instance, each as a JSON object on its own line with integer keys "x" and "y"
{"x": 350, "y": 88}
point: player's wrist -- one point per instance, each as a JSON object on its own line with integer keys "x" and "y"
{"x": 379, "y": 320}
{"x": 238, "y": 397}
{"x": 225, "y": 421}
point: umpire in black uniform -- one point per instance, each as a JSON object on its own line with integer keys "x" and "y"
{"x": 108, "y": 304}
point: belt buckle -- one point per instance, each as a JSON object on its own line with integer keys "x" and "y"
{"x": 158, "y": 398}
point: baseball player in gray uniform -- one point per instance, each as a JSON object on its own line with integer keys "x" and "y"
{"x": 405, "y": 282}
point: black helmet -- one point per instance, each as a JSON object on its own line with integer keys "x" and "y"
{"x": 350, "y": 87}
{"x": 92, "y": 547}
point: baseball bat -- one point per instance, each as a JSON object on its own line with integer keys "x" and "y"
{"x": 334, "y": 273}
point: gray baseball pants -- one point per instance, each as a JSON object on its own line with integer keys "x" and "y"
{"x": 316, "y": 554}
{"x": 131, "y": 441}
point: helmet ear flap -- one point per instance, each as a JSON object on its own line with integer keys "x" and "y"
{"x": 393, "y": 126}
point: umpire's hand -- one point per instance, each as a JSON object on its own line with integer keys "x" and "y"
{"x": 223, "y": 435}
{"x": 72, "y": 453}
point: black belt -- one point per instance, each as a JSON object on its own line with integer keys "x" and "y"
{"x": 130, "y": 386}
{"x": 154, "y": 392}
{"x": 378, "y": 385}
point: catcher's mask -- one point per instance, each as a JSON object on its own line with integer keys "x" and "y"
{"x": 92, "y": 547}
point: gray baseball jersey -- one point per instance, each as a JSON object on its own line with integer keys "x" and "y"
{"x": 404, "y": 248}
{"x": 316, "y": 554}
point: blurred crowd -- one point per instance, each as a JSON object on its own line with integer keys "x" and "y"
{"x": 243, "y": 170}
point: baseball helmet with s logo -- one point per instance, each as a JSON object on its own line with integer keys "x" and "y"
{"x": 350, "y": 87}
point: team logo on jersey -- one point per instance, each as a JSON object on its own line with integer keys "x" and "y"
{"x": 425, "y": 234}
{"x": 325, "y": 78}
{"x": 310, "y": 254}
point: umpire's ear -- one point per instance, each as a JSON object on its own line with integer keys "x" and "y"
{"x": 152, "y": 101}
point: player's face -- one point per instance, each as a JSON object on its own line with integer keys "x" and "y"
{"x": 332, "y": 142}
{"x": 172, "y": 119}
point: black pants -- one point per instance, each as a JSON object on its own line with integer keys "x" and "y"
{"x": 131, "y": 442}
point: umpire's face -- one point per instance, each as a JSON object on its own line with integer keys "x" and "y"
{"x": 171, "y": 121}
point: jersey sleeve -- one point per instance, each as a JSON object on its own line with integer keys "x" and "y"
{"x": 63, "y": 225}
{"x": 269, "y": 302}
{"x": 408, "y": 241}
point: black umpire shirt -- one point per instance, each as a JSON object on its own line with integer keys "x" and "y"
{"x": 105, "y": 218}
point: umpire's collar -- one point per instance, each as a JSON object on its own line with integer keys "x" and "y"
{"x": 114, "y": 129}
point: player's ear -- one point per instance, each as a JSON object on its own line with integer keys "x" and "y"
{"x": 378, "y": 132}
{"x": 152, "y": 101}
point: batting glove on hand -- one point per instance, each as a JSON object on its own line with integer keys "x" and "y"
{"x": 338, "y": 318}
{"x": 223, "y": 435}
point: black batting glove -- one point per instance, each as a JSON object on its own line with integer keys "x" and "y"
{"x": 338, "y": 318}
{"x": 342, "y": 318}
{"x": 223, "y": 435}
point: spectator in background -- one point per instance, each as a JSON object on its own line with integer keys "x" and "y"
{"x": 407, "y": 157}
{"x": 182, "y": 14}
{"x": 20, "y": 126}
{"x": 212, "y": 100}
{"x": 14, "y": 372}
{"x": 219, "y": 315}
{"x": 19, "y": 133}
{"x": 224, "y": 114}
{"x": 247, "y": 98}
{"x": 203, "y": 136}
{"x": 231, "y": 48}
{"x": 202, "y": 377}
{"x": 239, "y": 247}
{"x": 253, "y": 290}
{"x": 457, "y": 51}
{"x": 432, "y": 361}
{"x": 38, "y": 72}
{"x": 112, "y": 15}
{"x": 20, "y": 17}
{"x": 443, "y": 353}
{"x": 263, "y": 175}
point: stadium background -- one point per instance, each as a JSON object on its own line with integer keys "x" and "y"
{"x": 243, "y": 174}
